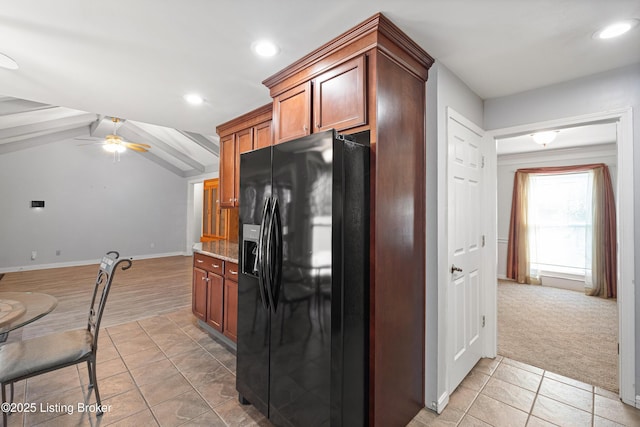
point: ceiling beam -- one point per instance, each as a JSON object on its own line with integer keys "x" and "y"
{"x": 9, "y": 105}
{"x": 42, "y": 139}
{"x": 52, "y": 125}
{"x": 208, "y": 144}
{"x": 163, "y": 163}
{"x": 133, "y": 133}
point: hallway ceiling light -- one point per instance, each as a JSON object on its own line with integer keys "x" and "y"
{"x": 265, "y": 48}
{"x": 7, "y": 62}
{"x": 616, "y": 29}
{"x": 544, "y": 138}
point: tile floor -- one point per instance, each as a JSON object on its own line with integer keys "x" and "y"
{"x": 165, "y": 371}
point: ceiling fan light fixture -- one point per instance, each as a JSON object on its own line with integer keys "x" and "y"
{"x": 114, "y": 148}
{"x": 544, "y": 138}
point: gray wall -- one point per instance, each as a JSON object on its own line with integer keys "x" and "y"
{"x": 444, "y": 90}
{"x": 610, "y": 90}
{"x": 92, "y": 205}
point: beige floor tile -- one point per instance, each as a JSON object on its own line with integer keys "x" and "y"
{"x": 144, "y": 357}
{"x": 497, "y": 413}
{"x": 165, "y": 389}
{"x": 603, "y": 422}
{"x": 538, "y": 422}
{"x": 104, "y": 370}
{"x": 129, "y": 328}
{"x": 617, "y": 411}
{"x": 54, "y": 404}
{"x": 469, "y": 421}
{"x": 153, "y": 372}
{"x": 235, "y": 414}
{"x": 524, "y": 366}
{"x": 415, "y": 423}
{"x": 567, "y": 380}
{"x": 486, "y": 365}
{"x": 510, "y": 394}
{"x": 107, "y": 353}
{"x": 462, "y": 398}
{"x": 141, "y": 419}
{"x": 180, "y": 409}
{"x": 517, "y": 376}
{"x": 566, "y": 393}
{"x": 606, "y": 393}
{"x": 134, "y": 344}
{"x": 77, "y": 419}
{"x": 475, "y": 380}
{"x": 560, "y": 413}
{"x": 115, "y": 384}
{"x": 208, "y": 419}
{"x": 122, "y": 406}
{"x": 219, "y": 391}
{"x": 425, "y": 416}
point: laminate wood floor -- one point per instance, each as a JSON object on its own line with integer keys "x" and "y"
{"x": 150, "y": 287}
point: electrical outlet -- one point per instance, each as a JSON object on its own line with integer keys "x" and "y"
{"x": 34, "y": 255}
{"x": 58, "y": 252}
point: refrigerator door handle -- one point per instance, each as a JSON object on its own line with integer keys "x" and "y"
{"x": 271, "y": 256}
{"x": 277, "y": 273}
{"x": 262, "y": 277}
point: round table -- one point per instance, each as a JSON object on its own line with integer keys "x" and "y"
{"x": 21, "y": 308}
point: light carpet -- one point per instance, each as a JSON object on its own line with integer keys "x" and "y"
{"x": 558, "y": 330}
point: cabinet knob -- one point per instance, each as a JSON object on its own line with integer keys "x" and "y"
{"x": 318, "y": 125}
{"x": 305, "y": 128}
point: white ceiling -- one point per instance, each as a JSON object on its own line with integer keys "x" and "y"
{"x": 579, "y": 136}
{"x": 136, "y": 59}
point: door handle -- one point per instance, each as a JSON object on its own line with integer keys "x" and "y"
{"x": 454, "y": 269}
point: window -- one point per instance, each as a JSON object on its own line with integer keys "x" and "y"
{"x": 560, "y": 222}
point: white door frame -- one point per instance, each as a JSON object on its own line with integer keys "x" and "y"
{"x": 625, "y": 215}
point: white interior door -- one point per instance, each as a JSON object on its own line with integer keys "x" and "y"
{"x": 465, "y": 249}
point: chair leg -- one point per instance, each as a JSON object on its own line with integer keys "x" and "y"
{"x": 90, "y": 386}
{"x": 94, "y": 381}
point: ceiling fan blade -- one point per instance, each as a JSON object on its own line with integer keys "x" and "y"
{"x": 138, "y": 149}
{"x": 136, "y": 144}
{"x": 87, "y": 138}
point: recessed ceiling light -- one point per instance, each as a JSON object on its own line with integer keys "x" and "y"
{"x": 616, "y": 29}
{"x": 193, "y": 99}
{"x": 6, "y": 62}
{"x": 265, "y": 48}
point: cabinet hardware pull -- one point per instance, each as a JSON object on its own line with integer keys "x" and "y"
{"x": 215, "y": 265}
{"x": 199, "y": 261}
{"x": 233, "y": 272}
{"x": 318, "y": 125}
{"x": 304, "y": 128}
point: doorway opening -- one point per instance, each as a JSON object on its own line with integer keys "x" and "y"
{"x": 617, "y": 150}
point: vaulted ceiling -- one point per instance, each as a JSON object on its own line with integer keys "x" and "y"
{"x": 136, "y": 60}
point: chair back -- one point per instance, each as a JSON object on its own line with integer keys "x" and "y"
{"x": 108, "y": 266}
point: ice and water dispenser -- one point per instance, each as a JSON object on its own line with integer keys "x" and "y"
{"x": 250, "y": 237}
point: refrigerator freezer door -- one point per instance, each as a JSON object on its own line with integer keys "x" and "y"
{"x": 252, "y": 379}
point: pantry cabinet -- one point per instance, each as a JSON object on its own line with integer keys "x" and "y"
{"x": 245, "y": 133}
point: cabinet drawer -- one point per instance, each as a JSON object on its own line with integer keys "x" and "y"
{"x": 208, "y": 263}
{"x": 231, "y": 271}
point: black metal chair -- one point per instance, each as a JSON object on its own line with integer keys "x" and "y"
{"x": 24, "y": 359}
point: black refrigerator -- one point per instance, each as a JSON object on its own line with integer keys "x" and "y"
{"x": 303, "y": 298}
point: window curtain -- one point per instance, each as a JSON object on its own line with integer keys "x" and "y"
{"x": 603, "y": 276}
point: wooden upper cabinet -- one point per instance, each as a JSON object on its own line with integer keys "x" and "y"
{"x": 244, "y": 143}
{"x": 227, "y": 171}
{"x": 262, "y": 135}
{"x": 292, "y": 113}
{"x": 339, "y": 96}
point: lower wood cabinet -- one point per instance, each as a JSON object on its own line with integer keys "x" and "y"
{"x": 215, "y": 293}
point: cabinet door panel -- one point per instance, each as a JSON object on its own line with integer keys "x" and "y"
{"x": 199, "y": 293}
{"x": 293, "y": 113}
{"x": 231, "y": 309}
{"x": 215, "y": 301}
{"x": 244, "y": 143}
{"x": 339, "y": 97}
{"x": 262, "y": 135}
{"x": 227, "y": 171}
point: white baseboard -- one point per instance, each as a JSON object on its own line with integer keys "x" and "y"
{"x": 443, "y": 401}
{"x": 502, "y": 277}
{"x": 82, "y": 262}
{"x": 638, "y": 402}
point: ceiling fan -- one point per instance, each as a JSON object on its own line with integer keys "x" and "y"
{"x": 115, "y": 144}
